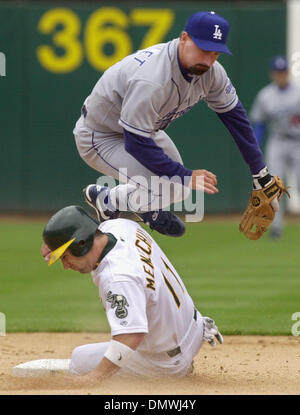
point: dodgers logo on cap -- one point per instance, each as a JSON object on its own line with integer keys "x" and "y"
{"x": 279, "y": 63}
{"x": 209, "y": 31}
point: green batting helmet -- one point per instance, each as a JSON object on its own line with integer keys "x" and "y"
{"x": 70, "y": 228}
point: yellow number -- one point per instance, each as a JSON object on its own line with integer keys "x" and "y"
{"x": 172, "y": 291}
{"x": 169, "y": 285}
{"x": 65, "y": 38}
{"x": 98, "y": 34}
{"x": 160, "y": 21}
{"x": 105, "y": 26}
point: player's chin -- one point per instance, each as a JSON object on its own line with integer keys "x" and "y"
{"x": 198, "y": 70}
{"x": 84, "y": 271}
{"x": 81, "y": 270}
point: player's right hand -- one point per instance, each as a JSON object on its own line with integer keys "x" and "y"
{"x": 45, "y": 251}
{"x": 204, "y": 180}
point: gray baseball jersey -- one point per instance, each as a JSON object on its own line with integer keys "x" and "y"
{"x": 280, "y": 109}
{"x": 145, "y": 92}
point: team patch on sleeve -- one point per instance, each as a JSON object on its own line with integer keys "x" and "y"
{"x": 229, "y": 89}
{"x": 119, "y": 302}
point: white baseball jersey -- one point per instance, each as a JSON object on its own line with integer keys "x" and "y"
{"x": 280, "y": 109}
{"x": 146, "y": 91}
{"x": 140, "y": 289}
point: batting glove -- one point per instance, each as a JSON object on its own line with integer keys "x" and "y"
{"x": 211, "y": 331}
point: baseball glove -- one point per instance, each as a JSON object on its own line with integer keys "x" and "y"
{"x": 259, "y": 213}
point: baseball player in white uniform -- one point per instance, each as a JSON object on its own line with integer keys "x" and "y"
{"x": 156, "y": 329}
{"x": 124, "y": 119}
{"x": 277, "y": 106}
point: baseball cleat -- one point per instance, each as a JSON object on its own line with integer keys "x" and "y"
{"x": 97, "y": 196}
{"x": 163, "y": 222}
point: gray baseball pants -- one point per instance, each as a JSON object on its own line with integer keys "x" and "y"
{"x": 105, "y": 152}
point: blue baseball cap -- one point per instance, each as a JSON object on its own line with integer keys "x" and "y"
{"x": 208, "y": 31}
{"x": 279, "y": 63}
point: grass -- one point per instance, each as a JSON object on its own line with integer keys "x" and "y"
{"x": 248, "y": 287}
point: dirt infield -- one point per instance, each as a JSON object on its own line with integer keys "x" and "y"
{"x": 242, "y": 365}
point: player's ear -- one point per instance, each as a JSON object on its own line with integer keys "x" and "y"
{"x": 183, "y": 35}
{"x": 183, "y": 38}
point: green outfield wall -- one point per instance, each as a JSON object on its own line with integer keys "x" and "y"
{"x": 53, "y": 53}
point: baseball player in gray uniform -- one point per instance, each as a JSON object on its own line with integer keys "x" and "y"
{"x": 156, "y": 329}
{"x": 277, "y": 106}
{"x": 124, "y": 119}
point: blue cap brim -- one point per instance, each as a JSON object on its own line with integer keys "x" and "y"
{"x": 211, "y": 46}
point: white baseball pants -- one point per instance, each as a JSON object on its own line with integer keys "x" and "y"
{"x": 87, "y": 357}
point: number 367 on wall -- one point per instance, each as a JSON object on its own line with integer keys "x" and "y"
{"x": 106, "y": 25}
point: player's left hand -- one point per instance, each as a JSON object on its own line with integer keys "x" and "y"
{"x": 261, "y": 211}
{"x": 211, "y": 332}
{"x": 264, "y": 179}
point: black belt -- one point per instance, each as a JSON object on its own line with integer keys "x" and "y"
{"x": 177, "y": 350}
{"x": 84, "y": 111}
{"x": 174, "y": 352}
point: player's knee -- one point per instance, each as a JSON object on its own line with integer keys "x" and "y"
{"x": 77, "y": 364}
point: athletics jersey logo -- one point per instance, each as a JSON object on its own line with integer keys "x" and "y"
{"x": 217, "y": 34}
{"x": 119, "y": 301}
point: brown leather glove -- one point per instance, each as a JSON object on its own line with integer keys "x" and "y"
{"x": 259, "y": 213}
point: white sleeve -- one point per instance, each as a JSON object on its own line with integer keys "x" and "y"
{"x": 257, "y": 112}
{"x": 222, "y": 95}
{"x": 140, "y": 108}
{"x": 125, "y": 305}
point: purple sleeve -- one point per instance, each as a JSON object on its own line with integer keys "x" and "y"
{"x": 238, "y": 124}
{"x": 259, "y": 130}
{"x": 150, "y": 155}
